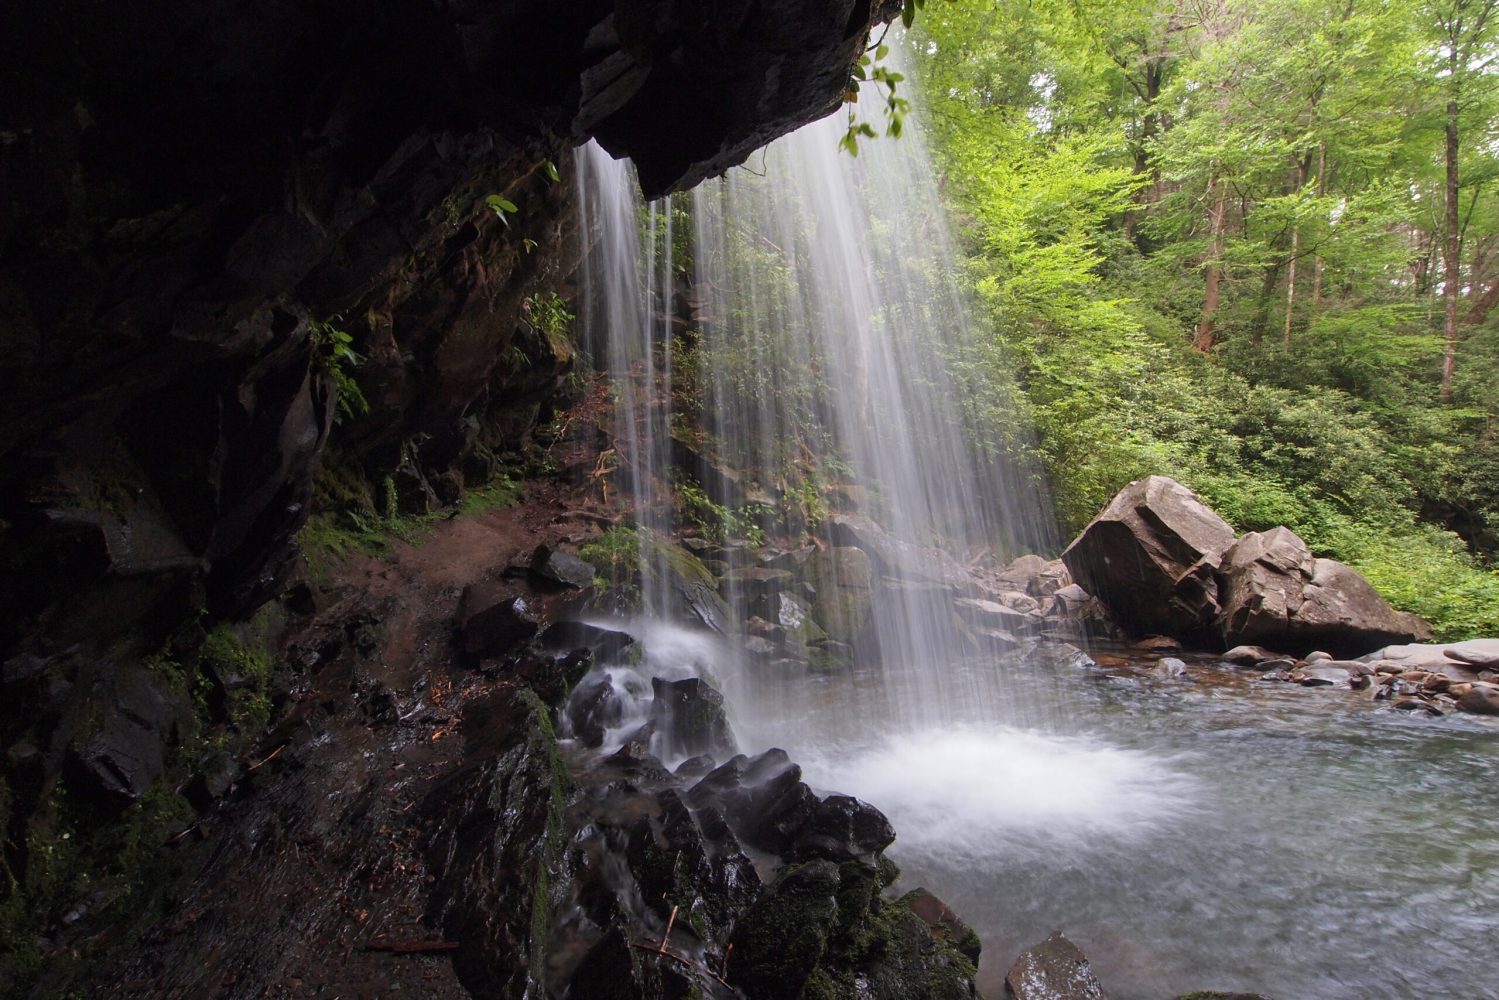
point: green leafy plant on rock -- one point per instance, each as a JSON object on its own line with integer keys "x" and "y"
{"x": 333, "y": 354}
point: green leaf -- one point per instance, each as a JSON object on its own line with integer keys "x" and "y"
{"x": 881, "y": 52}
{"x": 908, "y": 13}
{"x": 551, "y": 172}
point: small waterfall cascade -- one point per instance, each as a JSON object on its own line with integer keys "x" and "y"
{"x": 796, "y": 377}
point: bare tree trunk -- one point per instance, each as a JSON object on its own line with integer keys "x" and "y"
{"x": 1302, "y": 167}
{"x": 1317, "y": 260}
{"x": 1452, "y": 276}
{"x": 1206, "y": 327}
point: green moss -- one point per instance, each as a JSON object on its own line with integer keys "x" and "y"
{"x": 241, "y": 659}
{"x": 544, "y": 902}
{"x": 98, "y": 869}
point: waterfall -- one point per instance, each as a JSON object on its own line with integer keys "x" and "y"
{"x": 790, "y": 345}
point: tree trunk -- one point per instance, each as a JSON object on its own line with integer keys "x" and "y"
{"x": 1206, "y": 327}
{"x": 1452, "y": 277}
{"x": 1303, "y": 167}
{"x": 1317, "y": 260}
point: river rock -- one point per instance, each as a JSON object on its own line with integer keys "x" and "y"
{"x": 1274, "y": 591}
{"x": 1481, "y": 653}
{"x": 1153, "y": 534}
{"x": 1480, "y": 700}
{"x": 1055, "y": 969}
{"x": 1321, "y": 675}
{"x": 1170, "y": 666}
{"x": 1249, "y": 656}
{"x": 689, "y": 717}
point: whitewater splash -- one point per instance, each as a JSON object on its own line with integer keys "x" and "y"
{"x": 980, "y": 799}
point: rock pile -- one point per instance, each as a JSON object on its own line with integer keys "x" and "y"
{"x": 1163, "y": 562}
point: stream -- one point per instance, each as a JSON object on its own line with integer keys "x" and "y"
{"x": 1186, "y": 834}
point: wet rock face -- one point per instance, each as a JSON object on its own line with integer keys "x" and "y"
{"x": 192, "y": 193}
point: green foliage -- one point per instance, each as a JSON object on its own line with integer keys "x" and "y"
{"x": 243, "y": 663}
{"x": 333, "y": 354}
{"x": 719, "y": 522}
{"x": 503, "y": 208}
{"x": 615, "y": 556}
{"x": 548, "y": 315}
{"x": 1087, "y": 145}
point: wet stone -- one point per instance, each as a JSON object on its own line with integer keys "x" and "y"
{"x": 556, "y": 569}
{"x": 608, "y": 645}
{"x": 1055, "y": 969}
{"x": 1170, "y": 666}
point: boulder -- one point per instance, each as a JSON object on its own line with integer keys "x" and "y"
{"x": 1481, "y": 653}
{"x": 994, "y": 615}
{"x": 557, "y": 569}
{"x": 770, "y": 808}
{"x": 608, "y": 645}
{"x": 1274, "y": 591}
{"x": 1135, "y": 554}
{"x": 1480, "y": 699}
{"x": 594, "y": 707}
{"x": 1055, "y": 969}
{"x": 491, "y": 624}
{"x": 945, "y": 924}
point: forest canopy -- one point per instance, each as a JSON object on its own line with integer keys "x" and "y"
{"x": 1251, "y": 244}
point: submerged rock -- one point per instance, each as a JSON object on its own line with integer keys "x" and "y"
{"x": 1250, "y": 656}
{"x": 1055, "y": 969}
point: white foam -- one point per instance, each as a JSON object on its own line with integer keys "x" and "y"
{"x": 969, "y": 796}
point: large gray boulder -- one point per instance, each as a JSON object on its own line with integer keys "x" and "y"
{"x": 1149, "y": 555}
{"x": 1276, "y": 593}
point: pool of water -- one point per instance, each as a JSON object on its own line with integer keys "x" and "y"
{"x": 1200, "y": 833}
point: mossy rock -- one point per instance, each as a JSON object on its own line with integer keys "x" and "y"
{"x": 780, "y": 942}
{"x": 845, "y": 583}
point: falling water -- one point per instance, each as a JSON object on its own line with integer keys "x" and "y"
{"x": 792, "y": 338}
{"x": 819, "y": 327}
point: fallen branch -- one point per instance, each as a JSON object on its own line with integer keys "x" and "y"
{"x": 266, "y": 759}
{"x": 655, "y": 949}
